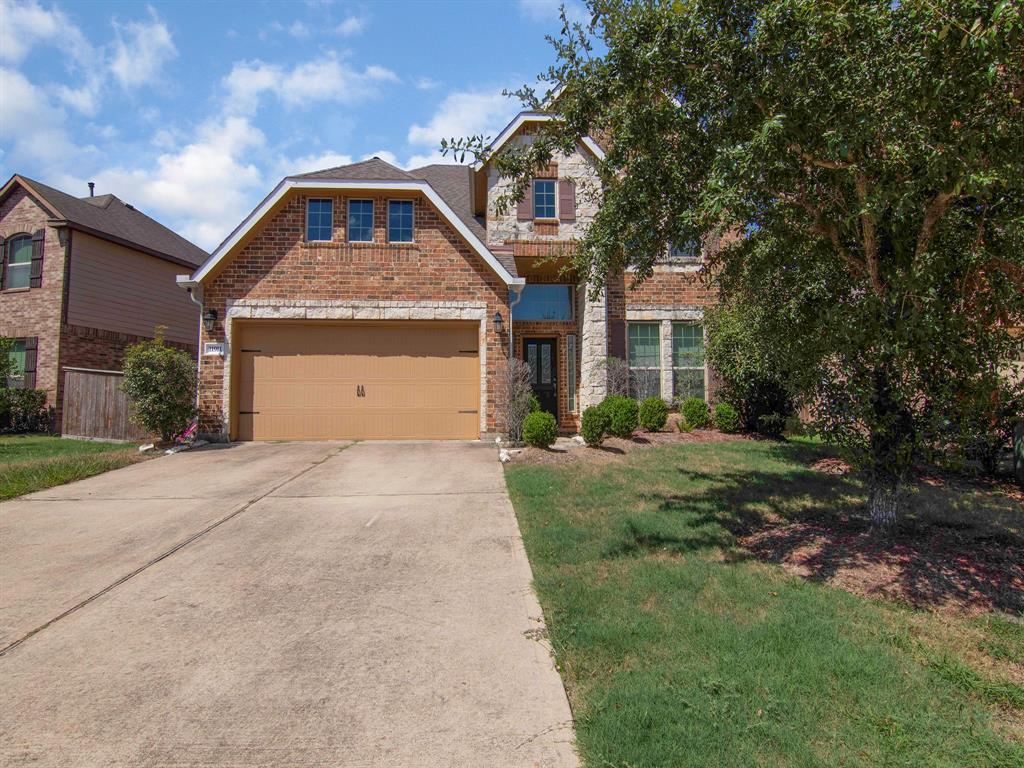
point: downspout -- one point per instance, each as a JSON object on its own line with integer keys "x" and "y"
{"x": 518, "y": 291}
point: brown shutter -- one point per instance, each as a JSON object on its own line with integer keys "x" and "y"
{"x": 36, "y": 274}
{"x": 567, "y": 200}
{"x": 31, "y": 350}
{"x": 524, "y": 211}
{"x": 3, "y": 262}
{"x": 617, "y": 339}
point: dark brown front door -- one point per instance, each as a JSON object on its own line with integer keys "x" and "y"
{"x": 543, "y": 361}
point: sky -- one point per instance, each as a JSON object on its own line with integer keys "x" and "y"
{"x": 193, "y": 111}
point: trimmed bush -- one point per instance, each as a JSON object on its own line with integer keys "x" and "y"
{"x": 160, "y": 381}
{"x": 23, "y": 410}
{"x": 727, "y": 418}
{"x": 695, "y": 412}
{"x": 623, "y": 415}
{"x": 653, "y": 414}
{"x": 772, "y": 424}
{"x": 539, "y": 429}
{"x": 534, "y": 403}
{"x": 593, "y": 425}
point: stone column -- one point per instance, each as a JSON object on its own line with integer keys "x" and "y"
{"x": 666, "y": 360}
{"x": 593, "y": 348}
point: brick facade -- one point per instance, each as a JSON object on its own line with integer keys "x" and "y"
{"x": 278, "y": 264}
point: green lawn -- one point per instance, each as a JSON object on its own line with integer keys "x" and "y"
{"x": 678, "y": 648}
{"x": 33, "y": 462}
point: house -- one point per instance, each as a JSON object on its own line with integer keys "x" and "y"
{"x": 82, "y": 278}
{"x": 366, "y": 301}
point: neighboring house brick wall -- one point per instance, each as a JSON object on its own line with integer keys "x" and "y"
{"x": 36, "y": 311}
{"x": 276, "y": 263}
{"x": 95, "y": 348}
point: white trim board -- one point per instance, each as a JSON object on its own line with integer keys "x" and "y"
{"x": 287, "y": 185}
{"x": 533, "y": 117}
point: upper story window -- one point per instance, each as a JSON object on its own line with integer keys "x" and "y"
{"x": 360, "y": 221}
{"x": 544, "y": 302}
{"x": 544, "y": 199}
{"x": 18, "y": 269}
{"x": 319, "y": 220}
{"x": 400, "y": 221}
{"x": 686, "y": 251}
{"x": 16, "y": 379}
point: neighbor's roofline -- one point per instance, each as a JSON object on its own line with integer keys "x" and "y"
{"x": 288, "y": 184}
{"x": 517, "y": 123}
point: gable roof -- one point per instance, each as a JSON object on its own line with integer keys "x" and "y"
{"x": 109, "y": 217}
{"x": 532, "y": 117}
{"x": 448, "y": 187}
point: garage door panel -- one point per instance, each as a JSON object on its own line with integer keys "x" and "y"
{"x": 388, "y": 380}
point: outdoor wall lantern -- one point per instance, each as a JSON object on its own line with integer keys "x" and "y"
{"x": 499, "y": 323}
{"x": 209, "y": 320}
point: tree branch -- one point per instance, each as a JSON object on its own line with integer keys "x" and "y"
{"x": 933, "y": 213}
{"x": 820, "y": 162}
{"x": 870, "y": 235}
{"x": 827, "y": 229}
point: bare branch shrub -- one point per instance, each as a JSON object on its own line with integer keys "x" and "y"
{"x": 617, "y": 371}
{"x": 517, "y": 401}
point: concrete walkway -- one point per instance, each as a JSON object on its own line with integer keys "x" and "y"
{"x": 291, "y": 604}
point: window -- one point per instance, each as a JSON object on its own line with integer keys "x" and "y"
{"x": 19, "y": 262}
{"x": 686, "y": 252}
{"x": 319, "y": 220}
{"x": 544, "y": 302}
{"x": 570, "y": 367}
{"x": 400, "y": 221}
{"x": 688, "y": 360}
{"x": 544, "y": 199}
{"x": 16, "y": 380}
{"x": 360, "y": 221}
{"x": 644, "y": 360}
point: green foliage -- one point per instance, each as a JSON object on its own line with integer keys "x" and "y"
{"x": 594, "y": 423}
{"x": 31, "y": 463}
{"x": 23, "y": 410}
{"x": 772, "y": 424}
{"x": 868, "y": 152}
{"x": 653, "y": 414}
{"x": 695, "y": 413}
{"x": 160, "y": 381}
{"x": 6, "y": 364}
{"x": 726, "y": 418}
{"x": 534, "y": 403}
{"x": 623, "y": 415}
{"x": 539, "y": 429}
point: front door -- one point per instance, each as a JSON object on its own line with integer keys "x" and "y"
{"x": 543, "y": 362}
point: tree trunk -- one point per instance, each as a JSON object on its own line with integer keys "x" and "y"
{"x": 883, "y": 503}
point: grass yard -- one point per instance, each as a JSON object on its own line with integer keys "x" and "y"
{"x": 681, "y": 647}
{"x": 34, "y": 462}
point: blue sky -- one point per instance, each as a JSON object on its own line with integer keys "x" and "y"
{"x": 192, "y": 111}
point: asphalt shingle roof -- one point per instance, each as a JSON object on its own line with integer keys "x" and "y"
{"x": 109, "y": 215}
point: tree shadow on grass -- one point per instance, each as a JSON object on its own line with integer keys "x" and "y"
{"x": 955, "y": 549}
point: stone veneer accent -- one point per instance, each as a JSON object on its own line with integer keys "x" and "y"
{"x": 593, "y": 348}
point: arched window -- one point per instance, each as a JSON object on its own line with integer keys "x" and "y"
{"x": 18, "y": 262}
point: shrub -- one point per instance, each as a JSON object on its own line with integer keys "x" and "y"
{"x": 23, "y": 410}
{"x": 623, "y": 415}
{"x": 653, "y": 414}
{"x": 161, "y": 383}
{"x": 533, "y": 402}
{"x": 772, "y": 424}
{"x": 539, "y": 429}
{"x": 695, "y": 412}
{"x": 727, "y": 418}
{"x": 519, "y": 399}
{"x": 594, "y": 424}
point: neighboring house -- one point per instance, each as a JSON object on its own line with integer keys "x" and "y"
{"x": 83, "y": 278}
{"x": 365, "y": 301}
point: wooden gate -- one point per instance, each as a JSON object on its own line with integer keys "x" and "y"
{"x": 95, "y": 406}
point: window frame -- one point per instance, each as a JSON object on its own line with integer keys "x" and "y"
{"x": 412, "y": 221}
{"x": 656, "y": 367}
{"x": 703, "y": 367}
{"x": 570, "y": 372}
{"x": 348, "y": 218}
{"x": 691, "y": 252}
{"x": 554, "y": 199}
{"x": 25, "y": 266}
{"x": 570, "y": 292}
{"x": 18, "y": 381}
{"x": 320, "y": 225}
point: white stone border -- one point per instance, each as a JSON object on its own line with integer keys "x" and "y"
{"x": 299, "y": 309}
{"x": 665, "y": 313}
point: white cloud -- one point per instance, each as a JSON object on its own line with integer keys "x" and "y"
{"x": 386, "y": 155}
{"x": 352, "y": 26}
{"x": 431, "y": 158}
{"x": 290, "y": 166}
{"x": 326, "y": 79}
{"x": 546, "y": 11}
{"x": 22, "y": 25}
{"x": 33, "y": 128}
{"x": 298, "y": 29}
{"x": 140, "y": 51}
{"x": 203, "y": 189}
{"x": 465, "y": 113}
{"x": 425, "y": 83}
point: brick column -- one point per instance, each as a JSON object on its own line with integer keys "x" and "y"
{"x": 593, "y": 348}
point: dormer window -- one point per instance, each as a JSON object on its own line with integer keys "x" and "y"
{"x": 544, "y": 199}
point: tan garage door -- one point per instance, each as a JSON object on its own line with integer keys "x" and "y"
{"x": 377, "y": 381}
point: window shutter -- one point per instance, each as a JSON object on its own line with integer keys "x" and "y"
{"x": 3, "y": 262}
{"x": 31, "y": 350}
{"x": 36, "y": 273}
{"x": 617, "y": 339}
{"x": 524, "y": 211}
{"x": 567, "y": 200}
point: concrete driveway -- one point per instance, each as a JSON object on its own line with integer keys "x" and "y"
{"x": 293, "y": 604}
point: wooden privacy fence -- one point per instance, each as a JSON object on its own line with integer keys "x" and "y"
{"x": 95, "y": 406}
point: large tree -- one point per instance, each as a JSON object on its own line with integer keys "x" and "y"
{"x": 870, "y": 155}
